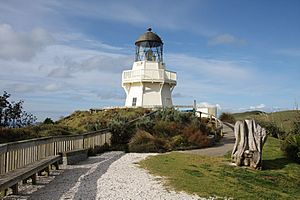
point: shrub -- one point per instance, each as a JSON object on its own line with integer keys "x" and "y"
{"x": 166, "y": 128}
{"x": 296, "y": 127}
{"x": 196, "y": 135}
{"x": 227, "y": 117}
{"x": 178, "y": 142}
{"x": 172, "y": 115}
{"x": 43, "y": 130}
{"x": 272, "y": 129}
{"x": 144, "y": 142}
{"x": 291, "y": 147}
{"x": 121, "y": 131}
{"x": 146, "y": 124}
{"x": 48, "y": 121}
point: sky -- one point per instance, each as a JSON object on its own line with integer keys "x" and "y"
{"x": 65, "y": 55}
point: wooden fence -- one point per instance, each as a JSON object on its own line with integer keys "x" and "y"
{"x": 18, "y": 154}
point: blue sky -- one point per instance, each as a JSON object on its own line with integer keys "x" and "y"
{"x": 62, "y": 56}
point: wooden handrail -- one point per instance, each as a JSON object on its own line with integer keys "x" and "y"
{"x": 17, "y": 154}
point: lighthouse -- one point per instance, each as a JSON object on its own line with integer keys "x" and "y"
{"x": 148, "y": 84}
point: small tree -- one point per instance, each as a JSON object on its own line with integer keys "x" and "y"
{"x": 48, "y": 121}
{"x": 227, "y": 117}
{"x": 12, "y": 114}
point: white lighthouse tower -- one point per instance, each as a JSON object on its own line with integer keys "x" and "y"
{"x": 148, "y": 84}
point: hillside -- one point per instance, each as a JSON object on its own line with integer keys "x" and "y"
{"x": 283, "y": 119}
{"x": 164, "y": 130}
{"x": 84, "y": 121}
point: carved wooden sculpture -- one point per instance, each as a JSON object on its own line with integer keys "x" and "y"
{"x": 249, "y": 140}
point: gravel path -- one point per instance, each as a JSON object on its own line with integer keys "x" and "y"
{"x": 125, "y": 180}
{"x": 110, "y": 176}
{"x": 226, "y": 145}
{"x": 73, "y": 182}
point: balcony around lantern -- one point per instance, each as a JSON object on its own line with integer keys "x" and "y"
{"x": 149, "y": 75}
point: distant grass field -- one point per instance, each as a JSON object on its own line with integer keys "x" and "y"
{"x": 283, "y": 119}
{"x": 213, "y": 176}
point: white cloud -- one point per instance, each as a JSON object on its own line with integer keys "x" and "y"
{"x": 22, "y": 45}
{"x": 212, "y": 68}
{"x": 109, "y": 95}
{"x": 21, "y": 87}
{"x": 260, "y": 106}
{"x": 79, "y": 39}
{"x": 206, "y": 104}
{"x": 52, "y": 87}
{"x": 226, "y": 39}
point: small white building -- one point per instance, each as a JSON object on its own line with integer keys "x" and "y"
{"x": 148, "y": 83}
{"x": 207, "y": 110}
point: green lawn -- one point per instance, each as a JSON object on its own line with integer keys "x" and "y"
{"x": 210, "y": 176}
{"x": 283, "y": 119}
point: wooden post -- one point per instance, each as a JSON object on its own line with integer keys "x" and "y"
{"x": 47, "y": 170}
{"x": 33, "y": 179}
{"x": 56, "y": 165}
{"x": 15, "y": 189}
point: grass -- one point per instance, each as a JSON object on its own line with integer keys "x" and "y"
{"x": 213, "y": 176}
{"x": 85, "y": 121}
{"x": 283, "y": 119}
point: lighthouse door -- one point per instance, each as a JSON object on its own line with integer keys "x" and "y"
{"x": 134, "y": 101}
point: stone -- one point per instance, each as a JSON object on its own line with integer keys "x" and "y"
{"x": 249, "y": 140}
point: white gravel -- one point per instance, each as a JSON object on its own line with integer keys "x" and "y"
{"x": 110, "y": 176}
{"x": 124, "y": 179}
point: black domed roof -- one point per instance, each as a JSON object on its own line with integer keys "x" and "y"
{"x": 149, "y": 36}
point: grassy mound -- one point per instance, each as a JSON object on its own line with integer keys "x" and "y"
{"x": 134, "y": 129}
{"x": 282, "y": 119}
{"x": 213, "y": 176}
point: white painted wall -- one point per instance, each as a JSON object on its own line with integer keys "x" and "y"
{"x": 210, "y": 109}
{"x": 136, "y": 90}
{"x": 151, "y": 92}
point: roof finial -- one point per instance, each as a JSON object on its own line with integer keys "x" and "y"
{"x": 149, "y": 29}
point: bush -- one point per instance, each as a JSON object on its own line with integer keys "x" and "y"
{"x": 296, "y": 127}
{"x": 272, "y": 129}
{"x": 146, "y": 124}
{"x": 196, "y": 134}
{"x": 178, "y": 142}
{"x": 29, "y": 132}
{"x": 48, "y": 121}
{"x": 166, "y": 128}
{"x": 172, "y": 115}
{"x": 121, "y": 131}
{"x": 144, "y": 142}
{"x": 227, "y": 117}
{"x": 291, "y": 147}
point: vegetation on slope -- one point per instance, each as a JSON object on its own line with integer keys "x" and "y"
{"x": 284, "y": 125}
{"x": 283, "y": 119}
{"x": 214, "y": 176}
{"x": 86, "y": 121}
{"x": 77, "y": 123}
{"x": 164, "y": 130}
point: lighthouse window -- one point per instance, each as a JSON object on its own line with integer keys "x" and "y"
{"x": 134, "y": 101}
